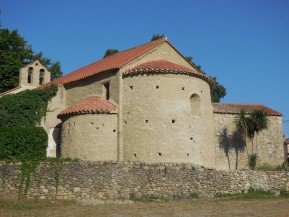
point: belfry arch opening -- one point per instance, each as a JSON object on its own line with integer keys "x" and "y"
{"x": 30, "y": 73}
{"x": 41, "y": 76}
{"x": 195, "y": 104}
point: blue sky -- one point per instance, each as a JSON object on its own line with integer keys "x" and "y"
{"x": 245, "y": 43}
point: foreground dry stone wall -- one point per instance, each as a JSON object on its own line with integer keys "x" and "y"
{"x": 115, "y": 181}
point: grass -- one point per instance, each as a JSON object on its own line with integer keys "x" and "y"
{"x": 256, "y": 194}
{"x": 268, "y": 167}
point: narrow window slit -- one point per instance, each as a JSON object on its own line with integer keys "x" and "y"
{"x": 173, "y": 121}
{"x": 131, "y": 87}
{"x": 134, "y": 154}
{"x": 157, "y": 86}
{"x": 160, "y": 154}
{"x": 147, "y": 121}
{"x": 191, "y": 138}
{"x": 114, "y": 131}
{"x": 188, "y": 154}
{"x": 183, "y": 88}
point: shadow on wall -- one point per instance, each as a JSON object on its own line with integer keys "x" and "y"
{"x": 234, "y": 141}
{"x": 56, "y": 134}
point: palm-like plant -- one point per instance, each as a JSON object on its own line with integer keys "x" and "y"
{"x": 249, "y": 126}
{"x": 260, "y": 122}
{"x": 241, "y": 123}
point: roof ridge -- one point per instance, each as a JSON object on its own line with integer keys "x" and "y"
{"x": 147, "y": 43}
{"x": 230, "y": 103}
{"x": 116, "y": 54}
{"x": 231, "y": 108}
{"x": 111, "y": 62}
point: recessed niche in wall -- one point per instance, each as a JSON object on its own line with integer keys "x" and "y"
{"x": 91, "y": 123}
{"x": 173, "y": 121}
{"x": 97, "y": 128}
{"x": 160, "y": 154}
{"x": 201, "y": 91}
{"x": 157, "y": 86}
{"x": 188, "y": 154}
{"x": 103, "y": 124}
{"x": 134, "y": 154}
{"x": 125, "y": 122}
{"x": 114, "y": 131}
{"x": 183, "y": 88}
{"x": 131, "y": 87}
{"x": 146, "y": 121}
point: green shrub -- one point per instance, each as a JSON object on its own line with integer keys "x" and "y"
{"x": 20, "y": 139}
{"x": 22, "y": 143}
{"x": 253, "y": 161}
{"x": 25, "y": 108}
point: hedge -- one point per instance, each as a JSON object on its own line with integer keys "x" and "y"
{"x": 25, "y": 143}
{"x": 20, "y": 114}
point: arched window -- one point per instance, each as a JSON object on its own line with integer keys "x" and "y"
{"x": 30, "y": 73}
{"x": 195, "y": 104}
{"x": 41, "y": 76}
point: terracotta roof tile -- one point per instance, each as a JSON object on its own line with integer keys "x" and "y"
{"x": 9, "y": 91}
{"x": 229, "y": 108}
{"x": 92, "y": 104}
{"x": 114, "y": 61}
{"x": 164, "y": 66}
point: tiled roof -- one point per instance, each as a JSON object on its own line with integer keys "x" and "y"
{"x": 164, "y": 66}
{"x": 92, "y": 104}
{"x": 114, "y": 61}
{"x": 9, "y": 91}
{"x": 287, "y": 141}
{"x": 228, "y": 108}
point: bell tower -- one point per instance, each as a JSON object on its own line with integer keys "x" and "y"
{"x": 33, "y": 75}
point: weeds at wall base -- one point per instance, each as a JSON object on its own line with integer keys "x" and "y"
{"x": 255, "y": 194}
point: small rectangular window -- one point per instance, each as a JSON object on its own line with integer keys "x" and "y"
{"x": 106, "y": 90}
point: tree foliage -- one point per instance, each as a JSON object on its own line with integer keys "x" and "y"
{"x": 15, "y": 53}
{"x": 218, "y": 91}
{"x": 53, "y": 67}
{"x": 157, "y": 36}
{"x": 109, "y": 52}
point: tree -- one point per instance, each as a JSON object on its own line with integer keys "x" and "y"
{"x": 260, "y": 121}
{"x": 218, "y": 91}
{"x": 239, "y": 144}
{"x": 15, "y": 53}
{"x": 157, "y": 36}
{"x": 109, "y": 52}
{"x": 53, "y": 67}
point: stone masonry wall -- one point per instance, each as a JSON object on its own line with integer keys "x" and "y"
{"x": 113, "y": 181}
{"x": 270, "y": 146}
